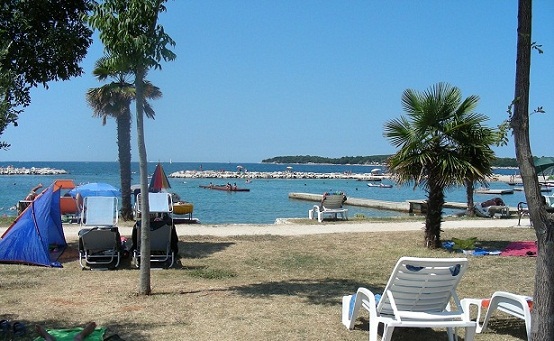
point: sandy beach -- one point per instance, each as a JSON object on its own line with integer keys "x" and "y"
{"x": 287, "y": 228}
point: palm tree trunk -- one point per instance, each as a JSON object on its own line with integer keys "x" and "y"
{"x": 145, "y": 286}
{"x": 543, "y": 307}
{"x": 470, "y": 210}
{"x": 433, "y": 218}
{"x": 124, "y": 152}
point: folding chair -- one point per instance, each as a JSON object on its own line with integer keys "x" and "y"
{"x": 99, "y": 238}
{"x": 162, "y": 230}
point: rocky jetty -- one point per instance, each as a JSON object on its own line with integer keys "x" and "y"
{"x": 10, "y": 170}
{"x": 208, "y": 174}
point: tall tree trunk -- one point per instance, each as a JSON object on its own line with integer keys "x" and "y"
{"x": 543, "y": 308}
{"x": 144, "y": 287}
{"x": 433, "y": 218}
{"x": 470, "y": 210}
{"x": 124, "y": 152}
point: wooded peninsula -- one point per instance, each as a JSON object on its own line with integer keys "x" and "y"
{"x": 362, "y": 160}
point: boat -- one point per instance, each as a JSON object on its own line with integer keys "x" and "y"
{"x": 182, "y": 213}
{"x": 494, "y": 191}
{"x": 227, "y": 188}
{"x": 542, "y": 189}
{"x": 379, "y": 185}
{"x": 182, "y": 207}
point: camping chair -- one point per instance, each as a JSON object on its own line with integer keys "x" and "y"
{"x": 512, "y": 304}
{"x": 417, "y": 295}
{"x": 522, "y": 210}
{"x": 162, "y": 230}
{"x": 330, "y": 205}
{"x": 99, "y": 239}
{"x": 157, "y": 203}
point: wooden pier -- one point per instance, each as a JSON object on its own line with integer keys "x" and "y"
{"x": 408, "y": 206}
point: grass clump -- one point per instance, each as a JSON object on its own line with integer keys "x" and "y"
{"x": 209, "y": 273}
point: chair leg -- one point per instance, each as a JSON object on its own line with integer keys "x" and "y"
{"x": 470, "y": 334}
{"x": 373, "y": 328}
{"x": 387, "y": 333}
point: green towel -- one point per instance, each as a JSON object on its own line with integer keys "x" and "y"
{"x": 69, "y": 334}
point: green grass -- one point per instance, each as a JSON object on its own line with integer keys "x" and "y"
{"x": 255, "y": 287}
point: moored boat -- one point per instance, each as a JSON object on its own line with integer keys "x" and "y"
{"x": 228, "y": 188}
{"x": 379, "y": 185}
{"x": 182, "y": 207}
{"x": 494, "y": 191}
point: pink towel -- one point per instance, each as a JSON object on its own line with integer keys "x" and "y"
{"x": 525, "y": 248}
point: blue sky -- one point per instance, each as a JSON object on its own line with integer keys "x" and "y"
{"x": 258, "y": 79}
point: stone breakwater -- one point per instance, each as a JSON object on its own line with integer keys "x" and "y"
{"x": 191, "y": 174}
{"x": 210, "y": 174}
{"x": 9, "y": 170}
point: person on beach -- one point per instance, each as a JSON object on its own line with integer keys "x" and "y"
{"x": 79, "y": 336}
{"x": 33, "y": 194}
{"x": 549, "y": 208}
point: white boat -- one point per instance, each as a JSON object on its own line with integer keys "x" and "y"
{"x": 381, "y": 185}
{"x": 494, "y": 191}
{"x": 543, "y": 189}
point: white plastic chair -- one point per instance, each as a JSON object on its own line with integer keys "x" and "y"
{"x": 417, "y": 295}
{"x": 512, "y": 304}
{"x": 331, "y": 205}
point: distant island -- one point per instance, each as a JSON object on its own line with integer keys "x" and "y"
{"x": 362, "y": 160}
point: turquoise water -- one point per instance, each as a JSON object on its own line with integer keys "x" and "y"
{"x": 266, "y": 201}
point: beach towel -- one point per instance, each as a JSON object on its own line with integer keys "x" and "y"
{"x": 69, "y": 334}
{"x": 523, "y": 248}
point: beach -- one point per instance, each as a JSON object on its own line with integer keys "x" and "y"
{"x": 286, "y": 227}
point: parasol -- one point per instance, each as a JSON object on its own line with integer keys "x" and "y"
{"x": 542, "y": 164}
{"x": 96, "y": 189}
{"x": 159, "y": 181}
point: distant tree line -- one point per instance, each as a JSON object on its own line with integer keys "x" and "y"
{"x": 362, "y": 160}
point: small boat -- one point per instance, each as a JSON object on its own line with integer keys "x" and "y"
{"x": 182, "y": 207}
{"x": 542, "y": 189}
{"x": 494, "y": 191}
{"x": 225, "y": 188}
{"x": 379, "y": 185}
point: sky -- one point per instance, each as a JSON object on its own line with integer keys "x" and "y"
{"x": 258, "y": 79}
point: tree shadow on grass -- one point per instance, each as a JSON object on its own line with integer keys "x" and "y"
{"x": 506, "y": 325}
{"x": 328, "y": 291}
{"x": 201, "y": 249}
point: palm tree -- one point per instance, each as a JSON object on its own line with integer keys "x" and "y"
{"x": 114, "y": 100}
{"x": 480, "y": 155}
{"x": 441, "y": 144}
{"x": 130, "y": 32}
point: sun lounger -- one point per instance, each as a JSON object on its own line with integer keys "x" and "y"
{"x": 418, "y": 295}
{"x": 330, "y": 205}
{"x": 512, "y": 304}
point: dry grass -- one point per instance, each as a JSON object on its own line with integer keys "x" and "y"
{"x": 253, "y": 288}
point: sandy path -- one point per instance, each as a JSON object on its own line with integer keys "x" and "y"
{"x": 291, "y": 229}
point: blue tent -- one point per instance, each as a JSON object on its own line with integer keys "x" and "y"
{"x": 36, "y": 237}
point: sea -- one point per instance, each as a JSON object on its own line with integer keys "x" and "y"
{"x": 265, "y": 203}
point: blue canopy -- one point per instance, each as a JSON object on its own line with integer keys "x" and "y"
{"x": 96, "y": 189}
